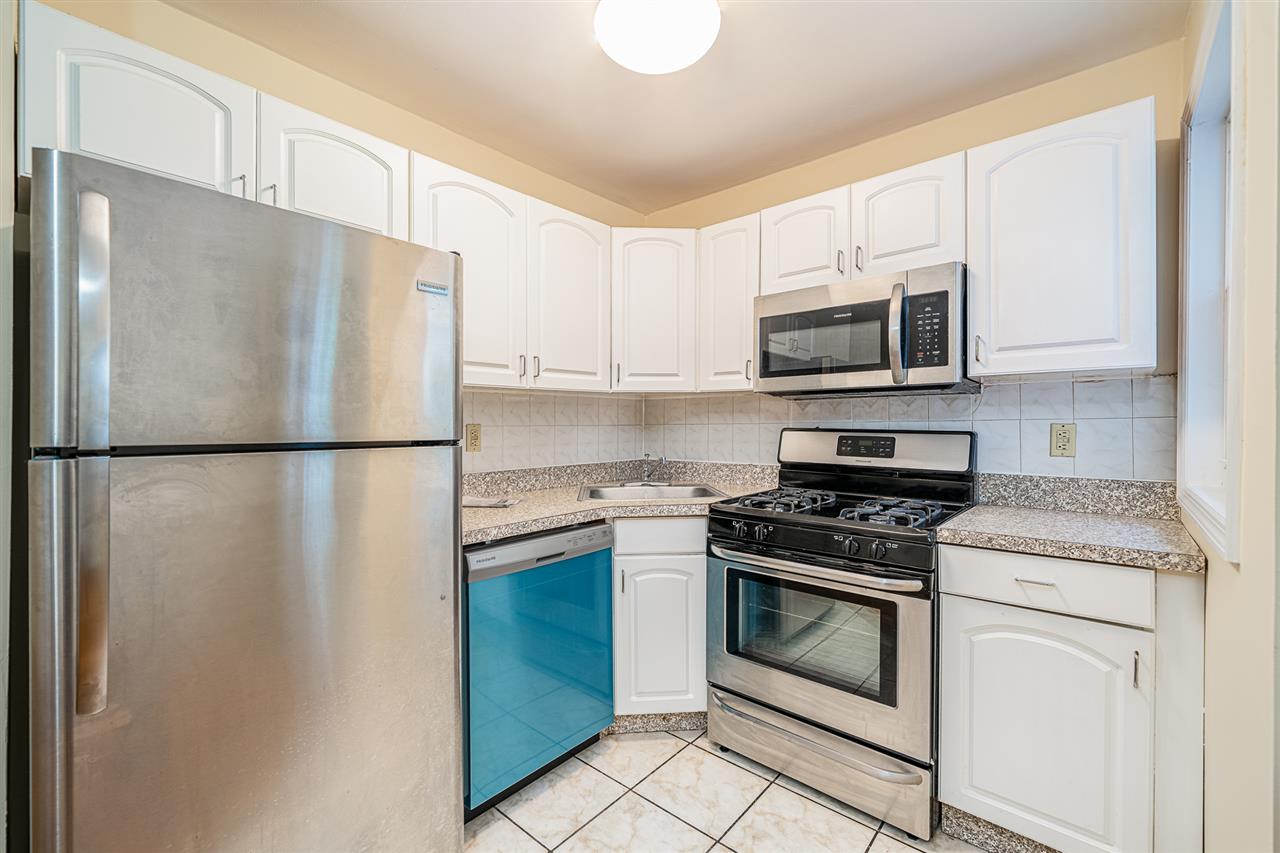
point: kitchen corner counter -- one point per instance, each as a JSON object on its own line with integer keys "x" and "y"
{"x": 548, "y": 509}
{"x": 1123, "y": 540}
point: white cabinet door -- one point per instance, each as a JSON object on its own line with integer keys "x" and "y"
{"x": 913, "y": 217}
{"x": 805, "y": 242}
{"x": 660, "y": 628}
{"x": 313, "y": 164}
{"x": 654, "y": 309}
{"x": 90, "y": 91}
{"x": 728, "y": 282}
{"x": 1062, "y": 246}
{"x": 484, "y": 222}
{"x": 568, "y": 300}
{"x": 1046, "y": 725}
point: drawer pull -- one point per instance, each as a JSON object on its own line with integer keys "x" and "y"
{"x": 1036, "y": 582}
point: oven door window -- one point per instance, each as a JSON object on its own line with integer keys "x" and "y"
{"x": 835, "y": 637}
{"x": 843, "y": 339}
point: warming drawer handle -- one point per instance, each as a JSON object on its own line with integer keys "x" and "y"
{"x": 850, "y": 578}
{"x": 894, "y": 777}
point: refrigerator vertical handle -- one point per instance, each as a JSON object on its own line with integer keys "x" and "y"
{"x": 93, "y": 587}
{"x": 93, "y": 298}
{"x": 51, "y": 530}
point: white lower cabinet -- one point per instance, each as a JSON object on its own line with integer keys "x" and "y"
{"x": 1046, "y": 724}
{"x": 659, "y": 616}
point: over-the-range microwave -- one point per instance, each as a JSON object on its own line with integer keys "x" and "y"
{"x": 902, "y": 333}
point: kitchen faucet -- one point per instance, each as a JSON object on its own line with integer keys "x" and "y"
{"x": 647, "y": 470}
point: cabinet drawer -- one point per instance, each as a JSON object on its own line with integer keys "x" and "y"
{"x": 660, "y": 536}
{"x": 1094, "y": 590}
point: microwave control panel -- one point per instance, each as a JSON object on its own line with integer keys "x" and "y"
{"x": 928, "y": 317}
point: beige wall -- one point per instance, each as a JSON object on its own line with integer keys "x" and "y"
{"x": 185, "y": 36}
{"x": 1240, "y": 617}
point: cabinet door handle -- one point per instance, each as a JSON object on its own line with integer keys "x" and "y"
{"x": 624, "y": 581}
{"x": 1135, "y": 669}
{"x": 747, "y": 371}
{"x": 244, "y": 184}
{"x": 537, "y": 366}
{"x": 979, "y": 346}
{"x": 857, "y": 257}
{"x": 522, "y": 367}
{"x": 619, "y": 374}
{"x": 840, "y": 260}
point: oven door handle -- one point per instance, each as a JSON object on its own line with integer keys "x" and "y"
{"x": 895, "y": 777}
{"x": 849, "y": 578}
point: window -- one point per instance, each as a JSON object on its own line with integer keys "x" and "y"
{"x": 1209, "y": 375}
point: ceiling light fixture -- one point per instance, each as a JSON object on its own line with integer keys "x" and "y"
{"x": 657, "y": 36}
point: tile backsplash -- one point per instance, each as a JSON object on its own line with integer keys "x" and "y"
{"x": 1125, "y": 427}
{"x": 521, "y": 430}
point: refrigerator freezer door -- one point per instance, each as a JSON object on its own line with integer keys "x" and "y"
{"x": 164, "y": 314}
{"x": 280, "y": 671}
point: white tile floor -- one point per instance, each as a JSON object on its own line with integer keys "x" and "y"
{"x": 674, "y": 791}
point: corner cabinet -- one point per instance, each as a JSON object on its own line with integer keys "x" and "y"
{"x": 568, "y": 288}
{"x": 660, "y": 611}
{"x": 728, "y": 283}
{"x": 485, "y": 223}
{"x": 654, "y": 309}
{"x": 313, "y": 164}
{"x": 805, "y": 242}
{"x": 90, "y": 91}
{"x": 1061, "y": 246}
{"x": 913, "y": 217}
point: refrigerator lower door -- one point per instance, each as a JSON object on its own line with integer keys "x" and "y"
{"x": 193, "y": 317}
{"x": 262, "y": 654}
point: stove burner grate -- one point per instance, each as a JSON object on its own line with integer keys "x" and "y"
{"x": 799, "y": 501}
{"x": 895, "y": 512}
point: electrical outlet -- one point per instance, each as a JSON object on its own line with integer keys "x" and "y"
{"x": 1062, "y": 439}
{"x": 473, "y": 438}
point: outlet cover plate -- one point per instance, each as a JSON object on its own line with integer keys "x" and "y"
{"x": 473, "y": 438}
{"x": 1062, "y": 439}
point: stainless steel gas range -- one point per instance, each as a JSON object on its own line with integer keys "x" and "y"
{"x": 820, "y": 615}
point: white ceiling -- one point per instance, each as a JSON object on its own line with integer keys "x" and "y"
{"x": 787, "y": 81}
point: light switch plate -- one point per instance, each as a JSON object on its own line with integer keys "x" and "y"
{"x": 473, "y": 438}
{"x": 1062, "y": 439}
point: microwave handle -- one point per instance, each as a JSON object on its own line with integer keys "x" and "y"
{"x": 895, "y": 333}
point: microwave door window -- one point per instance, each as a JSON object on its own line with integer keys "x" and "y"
{"x": 842, "y": 339}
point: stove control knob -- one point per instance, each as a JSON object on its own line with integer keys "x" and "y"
{"x": 878, "y": 550}
{"x": 853, "y": 547}
{"x": 740, "y": 528}
{"x": 762, "y": 532}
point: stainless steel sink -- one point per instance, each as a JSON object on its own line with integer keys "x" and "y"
{"x": 646, "y": 491}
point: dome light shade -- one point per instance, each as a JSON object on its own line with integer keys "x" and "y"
{"x": 656, "y": 36}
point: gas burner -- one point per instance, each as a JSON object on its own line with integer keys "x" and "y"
{"x": 897, "y": 512}
{"x": 798, "y": 501}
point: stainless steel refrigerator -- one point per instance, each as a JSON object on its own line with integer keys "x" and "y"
{"x": 243, "y": 524}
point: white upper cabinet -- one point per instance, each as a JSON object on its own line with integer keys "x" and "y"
{"x": 728, "y": 282}
{"x": 805, "y": 242}
{"x": 485, "y": 223}
{"x": 90, "y": 91}
{"x": 568, "y": 300}
{"x": 1062, "y": 246}
{"x": 313, "y": 164}
{"x": 654, "y": 309}
{"x": 1046, "y": 725}
{"x": 913, "y": 217}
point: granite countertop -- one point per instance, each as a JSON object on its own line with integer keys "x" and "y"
{"x": 548, "y": 509}
{"x": 1123, "y": 540}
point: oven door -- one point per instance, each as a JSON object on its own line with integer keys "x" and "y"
{"x": 831, "y": 337}
{"x": 850, "y": 651}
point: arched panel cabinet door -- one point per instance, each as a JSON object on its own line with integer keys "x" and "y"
{"x": 485, "y": 223}
{"x": 313, "y": 164}
{"x": 805, "y": 242}
{"x": 728, "y": 283}
{"x": 92, "y": 92}
{"x": 913, "y": 217}
{"x": 1046, "y": 724}
{"x": 568, "y": 300}
{"x": 1062, "y": 251}
{"x": 654, "y": 309}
